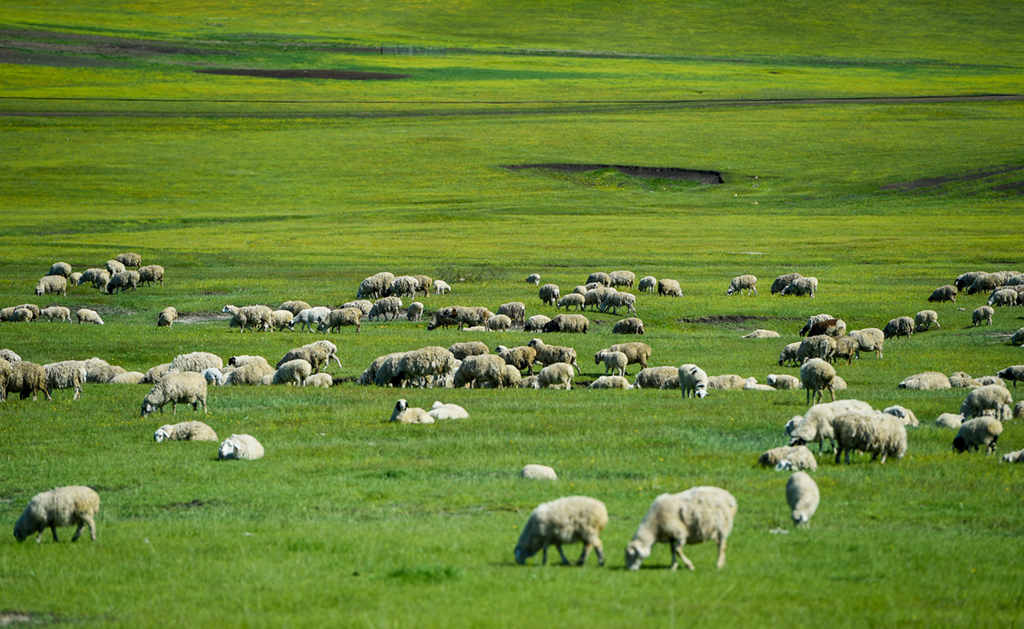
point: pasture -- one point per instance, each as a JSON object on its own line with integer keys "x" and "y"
{"x": 253, "y": 190}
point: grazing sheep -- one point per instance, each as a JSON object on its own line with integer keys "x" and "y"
{"x": 293, "y": 372}
{"x": 816, "y": 424}
{"x": 838, "y": 384}
{"x": 655, "y": 377}
{"x": 761, "y": 334}
{"x": 129, "y": 259}
{"x": 184, "y": 431}
{"x": 799, "y": 458}
{"x": 442, "y": 411}
{"x": 510, "y": 377}
{"x": 614, "y": 362}
{"x": 986, "y": 282}
{"x": 821, "y": 346}
{"x": 369, "y": 376}
{"x": 538, "y": 472}
{"x": 22, "y": 314}
{"x": 802, "y": 286}
{"x": 473, "y": 348}
{"x": 114, "y": 267}
{"x": 782, "y": 281}
{"x": 295, "y": 307}
{"x": 812, "y": 321}
{"x": 122, "y": 282}
{"x": 155, "y": 374}
{"x": 61, "y": 506}
{"x": 618, "y": 300}
{"x": 341, "y": 317}
{"x": 725, "y": 382}
{"x": 949, "y": 420}
{"x": 404, "y": 414}
{"x": 816, "y": 375}
{"x": 622, "y": 278}
{"x": 403, "y": 286}
{"x": 249, "y": 374}
{"x": 831, "y": 327}
{"x": 924, "y": 320}
{"x": 791, "y": 354}
{"x": 384, "y": 307}
{"x": 999, "y": 297}
{"x": 900, "y": 326}
{"x": 1018, "y": 337}
{"x": 176, "y": 388}
{"x": 846, "y": 347}
{"x": 1014, "y": 374}
{"x": 742, "y": 283}
{"x": 151, "y": 274}
{"x": 375, "y": 285}
{"x": 68, "y": 374}
{"x": 59, "y": 285}
{"x": 966, "y": 279}
{"x": 499, "y": 323}
{"x": 750, "y": 384}
{"x": 514, "y": 310}
{"x": 571, "y": 300}
{"x": 610, "y": 382}
{"x": 944, "y": 293}
{"x": 196, "y": 361}
{"x": 557, "y": 375}
{"x": 56, "y": 312}
{"x": 693, "y": 381}
{"x": 993, "y": 398}
{"x": 568, "y": 324}
{"x": 549, "y": 294}
{"x": 240, "y": 447}
{"x": 803, "y": 497}
{"x": 521, "y": 357}
{"x": 878, "y": 433}
{"x": 311, "y": 318}
{"x": 318, "y": 354}
{"x": 486, "y": 369}
{"x": 599, "y": 277}
{"x": 320, "y": 380}
{"x": 85, "y": 315}
{"x": 905, "y": 414}
{"x": 551, "y": 354}
{"x": 167, "y": 317}
{"x": 529, "y": 382}
{"x": 564, "y": 521}
{"x": 73, "y": 280}
{"x": 5, "y": 374}
{"x": 536, "y": 323}
{"x": 977, "y": 432}
{"x": 441, "y": 287}
{"x": 131, "y": 377}
{"x": 444, "y": 317}
{"x": 870, "y": 340}
{"x": 669, "y": 288}
{"x": 422, "y": 366}
{"x": 425, "y": 284}
{"x": 97, "y": 277}
{"x": 27, "y": 379}
{"x": 696, "y": 515}
{"x": 984, "y": 313}
{"x": 630, "y": 325}
{"x": 62, "y": 269}
{"x": 636, "y": 353}
{"x": 647, "y": 284}
{"x": 363, "y": 305}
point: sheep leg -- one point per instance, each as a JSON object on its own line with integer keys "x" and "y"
{"x": 586, "y": 553}
{"x": 677, "y": 549}
{"x": 78, "y": 531}
{"x": 53, "y": 527}
{"x": 544, "y": 557}
{"x": 721, "y": 553}
{"x": 565, "y": 560}
{"x": 174, "y": 408}
{"x": 839, "y": 454}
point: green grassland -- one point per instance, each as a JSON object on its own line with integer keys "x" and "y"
{"x": 251, "y": 190}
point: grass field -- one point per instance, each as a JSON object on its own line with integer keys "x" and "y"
{"x": 254, "y": 190}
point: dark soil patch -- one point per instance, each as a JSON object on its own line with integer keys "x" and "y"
{"x": 337, "y": 75}
{"x": 732, "y": 319}
{"x": 22, "y": 57}
{"x": 185, "y": 505}
{"x": 213, "y": 292}
{"x": 336, "y": 381}
{"x": 707, "y": 177}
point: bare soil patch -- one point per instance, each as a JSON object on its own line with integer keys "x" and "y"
{"x": 708, "y": 177}
{"x": 201, "y": 317}
{"x": 22, "y": 57}
{"x": 336, "y": 75}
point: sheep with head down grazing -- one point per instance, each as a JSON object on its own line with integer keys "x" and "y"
{"x": 696, "y": 515}
{"x": 564, "y": 521}
{"x": 61, "y": 506}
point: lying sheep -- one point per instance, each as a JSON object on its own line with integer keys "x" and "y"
{"x": 693, "y": 381}
{"x": 442, "y": 411}
{"x": 196, "y": 361}
{"x": 782, "y": 281}
{"x": 528, "y": 382}
{"x": 167, "y": 317}
{"x": 176, "y": 388}
{"x": 487, "y": 369}
{"x": 944, "y": 293}
{"x": 151, "y": 274}
{"x": 319, "y": 380}
{"x": 750, "y": 384}
{"x": 669, "y": 288}
{"x": 878, "y": 433}
{"x": 1017, "y": 338}
{"x": 68, "y": 374}
{"x": 816, "y": 424}
{"x": 963, "y": 380}
{"x": 514, "y": 310}
{"x": 239, "y": 448}
{"x": 985, "y": 380}
{"x": 52, "y": 284}
{"x": 441, "y": 287}
{"x": 550, "y": 354}
{"x": 538, "y": 472}
{"x": 184, "y": 431}
{"x": 520, "y": 357}
{"x": 56, "y": 312}
{"x": 783, "y": 381}
{"x": 61, "y": 506}
{"x": 949, "y": 420}
{"x": 1014, "y": 374}
{"x": 610, "y": 382}
{"x": 725, "y": 382}
{"x": 803, "y": 497}
{"x": 742, "y": 283}
{"x": 802, "y": 286}
{"x": 799, "y": 457}
{"x": 499, "y": 323}
{"x": 27, "y": 378}
{"x": 905, "y": 414}
{"x": 647, "y": 284}
{"x": 977, "y": 432}
{"x": 549, "y": 294}
{"x": 926, "y": 381}
{"x": 249, "y": 374}
{"x": 536, "y": 323}
{"x": 870, "y": 340}
{"x": 129, "y": 259}
{"x": 564, "y": 521}
{"x": 556, "y": 375}
{"x": 341, "y": 317}
{"x": 984, "y": 313}
{"x": 1014, "y": 457}
{"x": 571, "y": 300}
{"x": 791, "y": 354}
{"x": 629, "y": 325}
{"x": 993, "y": 398}
{"x": 404, "y": 414}
{"x": 655, "y": 377}
{"x": 85, "y": 315}
{"x": 696, "y": 515}
{"x": 131, "y": 377}
{"x": 924, "y": 320}
{"x": 761, "y": 334}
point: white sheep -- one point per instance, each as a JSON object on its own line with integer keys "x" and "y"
{"x": 341, "y": 317}
{"x": 742, "y": 283}
{"x": 924, "y": 320}
{"x": 556, "y": 375}
{"x": 536, "y": 323}
{"x": 905, "y": 414}
{"x": 196, "y": 361}
{"x": 725, "y": 382}
{"x": 878, "y": 433}
{"x": 803, "y": 497}
{"x": 549, "y": 294}
{"x": 514, "y": 310}
{"x": 629, "y": 325}
{"x": 441, "y": 287}
{"x": 621, "y": 278}
{"x": 669, "y": 288}
{"x": 693, "y": 381}
{"x": 654, "y": 377}
{"x": 799, "y": 458}
{"x": 52, "y": 284}
{"x": 114, "y": 267}
{"x": 534, "y": 471}
{"x": 422, "y": 366}
{"x": 499, "y": 323}
{"x": 790, "y": 353}
{"x": 750, "y": 384}
{"x": 375, "y": 285}
{"x": 870, "y": 340}
{"x": 131, "y": 377}
{"x": 993, "y": 398}
{"x": 618, "y": 300}
{"x": 816, "y": 375}
{"x": 293, "y": 372}
{"x": 944, "y": 293}
{"x": 56, "y": 312}
{"x": 166, "y": 317}
{"x": 151, "y": 274}
{"x": 1017, "y": 338}
{"x": 483, "y": 370}
{"x": 441, "y": 411}
{"x": 123, "y": 281}
{"x": 85, "y": 315}
{"x": 762, "y": 334}
{"x": 977, "y": 432}
{"x": 533, "y": 278}
{"x": 521, "y": 357}
{"x": 176, "y": 388}
{"x": 403, "y": 286}
{"x": 564, "y": 521}
{"x": 61, "y": 506}
{"x": 816, "y": 424}
{"x": 696, "y": 515}
{"x": 184, "y": 431}
{"x": 62, "y": 269}
{"x": 999, "y": 297}
{"x": 571, "y": 300}
{"x": 27, "y": 378}
{"x": 404, "y": 414}
{"x": 647, "y": 284}
{"x": 963, "y": 380}
{"x": 900, "y": 326}
{"x": 1018, "y": 410}
{"x": 614, "y": 362}
{"x": 550, "y": 354}
{"x": 949, "y": 420}
{"x": 818, "y": 346}
{"x": 472, "y": 348}
{"x": 68, "y": 374}
{"x": 802, "y": 286}
{"x": 610, "y": 382}
{"x": 783, "y": 381}
{"x": 782, "y": 281}
{"x": 294, "y": 306}
{"x": 984, "y": 313}
{"x": 240, "y": 447}
{"x": 320, "y": 380}
{"x": 926, "y": 381}
{"x": 129, "y": 259}
{"x": 310, "y": 318}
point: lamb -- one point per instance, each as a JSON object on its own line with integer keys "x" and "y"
{"x": 514, "y": 310}
{"x": 724, "y": 382}
{"x": 441, "y": 287}
{"x": 129, "y": 259}
{"x": 341, "y": 317}
{"x": 944, "y": 293}
{"x": 799, "y": 458}
{"x": 27, "y": 379}
{"x": 761, "y": 334}
{"x": 320, "y": 380}
{"x": 52, "y": 284}
{"x": 564, "y": 521}
{"x": 750, "y": 384}
{"x": 538, "y": 472}
{"x": 905, "y": 414}
{"x": 571, "y": 300}
{"x": 240, "y": 447}
{"x": 669, "y": 288}
{"x": 870, "y": 340}
{"x": 536, "y": 323}
{"x": 97, "y": 277}
{"x": 622, "y": 278}
{"x": 131, "y": 377}
{"x": 85, "y": 315}
{"x": 803, "y": 497}
{"x": 693, "y": 381}
{"x": 167, "y": 317}
{"x": 790, "y": 353}
{"x": 249, "y": 374}
{"x": 151, "y": 274}
{"x": 783, "y": 381}
{"x": 521, "y": 357}
{"x": 1015, "y": 374}
{"x": 499, "y": 323}
{"x": 312, "y": 317}
{"x": 375, "y": 285}
{"x": 533, "y": 278}
{"x": 122, "y": 282}
{"x": 1014, "y": 457}
{"x": 404, "y": 414}
{"x": 293, "y": 372}
{"x": 821, "y": 346}
{"x": 741, "y": 283}
{"x": 61, "y": 506}
{"x": 176, "y": 388}
{"x": 442, "y": 411}
{"x": 68, "y": 374}
{"x": 614, "y": 362}
{"x": 816, "y": 425}
{"x": 949, "y": 420}
{"x": 1003, "y": 297}
{"x": 56, "y": 312}
{"x": 549, "y": 294}
{"x": 993, "y": 398}
{"x": 618, "y": 300}
{"x": 900, "y": 326}
{"x": 196, "y": 361}
{"x": 648, "y": 284}
{"x": 422, "y": 366}
{"x": 568, "y": 324}
{"x": 551, "y": 354}
{"x": 556, "y": 375}
{"x": 184, "y": 431}
{"x": 984, "y": 313}
{"x": 484, "y": 369}
{"x": 696, "y": 515}
{"x": 878, "y": 433}
{"x": 974, "y": 433}
{"x": 655, "y": 377}
{"x": 62, "y": 269}
{"x": 114, "y": 267}
{"x": 816, "y": 375}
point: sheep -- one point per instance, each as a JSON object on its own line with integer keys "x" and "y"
{"x": 696, "y": 515}
{"x": 514, "y": 310}
{"x": 384, "y": 307}
{"x": 341, "y": 317}
{"x": 404, "y": 414}
{"x": 122, "y": 282}
{"x": 131, "y": 377}
{"x": 962, "y": 380}
{"x": 369, "y": 375}
{"x": 155, "y": 374}
{"x": 949, "y": 420}
{"x": 870, "y": 340}
{"x": 599, "y": 277}
{"x": 310, "y": 318}
{"x": 28, "y": 379}
{"x": 618, "y": 300}
{"x": 655, "y": 377}
{"x": 1015, "y": 374}
{"x": 129, "y": 259}
{"x": 184, "y": 431}
{"x": 900, "y": 326}
{"x": 150, "y": 274}
{"x": 693, "y": 381}
{"x": 538, "y": 472}
{"x": 750, "y": 384}
{"x": 621, "y": 278}
{"x": 56, "y": 312}
{"x": 375, "y": 285}
{"x": 725, "y": 382}
{"x": 556, "y": 375}
{"x": 425, "y": 284}
{"x": 571, "y": 300}
{"x": 741, "y": 283}
{"x": 25, "y": 312}
{"x": 442, "y": 411}
{"x": 790, "y": 353}
{"x": 363, "y": 305}
{"x": 614, "y": 362}
{"x": 536, "y": 323}
{"x": 816, "y": 424}
{"x": 441, "y": 287}
{"x": 483, "y": 369}
{"x": 846, "y": 347}
{"x": 97, "y": 277}
{"x": 568, "y": 324}
{"x": 510, "y": 377}
{"x": 240, "y": 447}
{"x": 803, "y": 497}
{"x": 421, "y": 366}
{"x": 403, "y": 286}
{"x": 533, "y": 278}
{"x": 196, "y": 361}
{"x": 986, "y": 282}
{"x": 6, "y": 370}
{"x": 387, "y": 373}
{"x": 811, "y": 321}
{"x": 992, "y": 397}
{"x": 782, "y": 281}
{"x": 551, "y": 354}
{"x": 669, "y": 288}
{"x": 167, "y": 317}
{"x": 977, "y": 432}
{"x": 821, "y": 346}
{"x": 293, "y": 372}
{"x": 214, "y": 376}
{"x": 926, "y": 381}
{"x": 63, "y": 269}
{"x": 1017, "y": 338}
{"x": 52, "y": 284}
{"x": 61, "y": 506}
{"x": 838, "y": 384}
{"x": 878, "y": 433}
{"x": 816, "y": 375}
{"x": 85, "y": 315}
{"x": 176, "y": 388}
{"x": 529, "y": 382}
{"x": 320, "y": 380}
{"x": 9, "y": 355}
{"x": 799, "y": 457}
{"x": 499, "y": 323}
{"x": 831, "y": 327}
{"x": 966, "y": 279}
{"x": 549, "y": 294}
{"x": 564, "y": 521}
{"x": 114, "y": 267}
{"x": 944, "y": 293}
{"x": 472, "y": 348}
{"x": 249, "y": 374}
{"x": 295, "y": 306}
{"x": 243, "y": 360}
{"x": 984, "y": 380}
{"x": 924, "y": 319}
{"x": 279, "y": 320}
{"x": 521, "y": 357}
{"x": 761, "y": 334}
{"x": 984, "y": 313}
{"x": 610, "y": 382}
{"x": 73, "y": 279}
{"x": 1003, "y": 297}
{"x": 68, "y": 374}
{"x": 802, "y": 286}
{"x": 647, "y": 284}
{"x": 1014, "y": 457}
